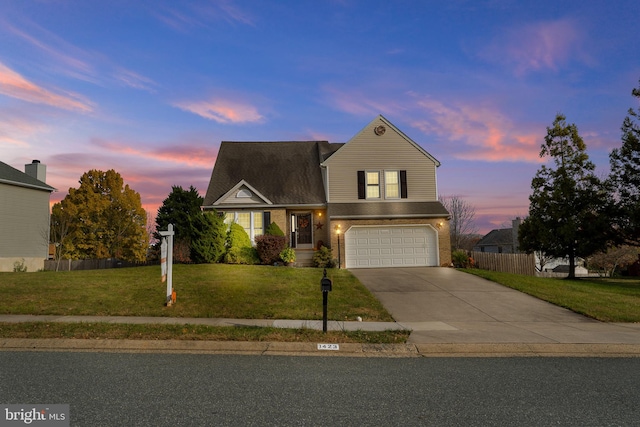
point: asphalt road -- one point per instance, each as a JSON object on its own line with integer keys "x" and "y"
{"x": 124, "y": 389}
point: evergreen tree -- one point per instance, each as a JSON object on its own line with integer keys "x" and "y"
{"x": 182, "y": 209}
{"x": 625, "y": 179}
{"x": 568, "y": 206}
{"x": 209, "y": 238}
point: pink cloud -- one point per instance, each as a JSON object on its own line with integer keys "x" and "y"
{"x": 191, "y": 155}
{"x": 358, "y": 103}
{"x": 538, "y": 46}
{"x": 485, "y": 132}
{"x": 134, "y": 80}
{"x": 222, "y": 111}
{"x": 198, "y": 15}
{"x": 16, "y": 86}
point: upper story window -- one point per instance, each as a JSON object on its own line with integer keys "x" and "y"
{"x": 394, "y": 185}
{"x": 373, "y": 185}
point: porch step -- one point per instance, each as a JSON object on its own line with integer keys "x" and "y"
{"x": 304, "y": 257}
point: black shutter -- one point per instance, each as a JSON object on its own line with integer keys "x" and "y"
{"x": 403, "y": 184}
{"x": 266, "y": 219}
{"x": 361, "y": 185}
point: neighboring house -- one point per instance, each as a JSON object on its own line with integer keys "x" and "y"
{"x": 505, "y": 241}
{"x": 500, "y": 241}
{"x": 24, "y": 216}
{"x": 373, "y": 200}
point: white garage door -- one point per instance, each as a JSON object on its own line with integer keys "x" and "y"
{"x": 399, "y": 246}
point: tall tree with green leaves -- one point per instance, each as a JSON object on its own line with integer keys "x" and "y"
{"x": 180, "y": 208}
{"x": 625, "y": 179}
{"x": 568, "y": 206}
{"x": 201, "y": 236}
{"x": 103, "y": 218}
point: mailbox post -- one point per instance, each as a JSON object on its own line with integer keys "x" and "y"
{"x": 325, "y": 287}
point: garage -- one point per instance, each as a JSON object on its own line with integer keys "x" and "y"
{"x": 391, "y": 246}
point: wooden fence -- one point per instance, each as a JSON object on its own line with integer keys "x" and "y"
{"x": 524, "y": 264}
{"x": 91, "y": 264}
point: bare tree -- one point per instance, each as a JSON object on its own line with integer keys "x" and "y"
{"x": 461, "y": 225}
{"x": 607, "y": 262}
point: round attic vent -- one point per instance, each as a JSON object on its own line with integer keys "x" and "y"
{"x": 379, "y": 130}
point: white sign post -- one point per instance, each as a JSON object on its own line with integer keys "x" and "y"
{"x": 166, "y": 261}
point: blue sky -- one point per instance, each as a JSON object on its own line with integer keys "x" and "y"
{"x": 150, "y": 88}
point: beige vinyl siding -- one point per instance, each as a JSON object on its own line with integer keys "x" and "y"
{"x": 24, "y": 222}
{"x": 370, "y": 152}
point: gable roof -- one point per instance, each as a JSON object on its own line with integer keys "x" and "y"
{"x": 500, "y": 237}
{"x": 283, "y": 173}
{"x": 12, "y": 176}
{"x": 386, "y": 122}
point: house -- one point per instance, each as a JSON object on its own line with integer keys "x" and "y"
{"x": 373, "y": 199}
{"x": 500, "y": 241}
{"x": 24, "y": 217}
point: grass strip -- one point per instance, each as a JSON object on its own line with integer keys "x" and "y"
{"x": 193, "y": 332}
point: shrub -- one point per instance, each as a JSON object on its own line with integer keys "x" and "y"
{"x": 460, "y": 258}
{"x": 269, "y": 248}
{"x": 237, "y": 237}
{"x": 19, "y": 267}
{"x": 239, "y": 249}
{"x": 323, "y": 258}
{"x": 274, "y": 230}
{"x": 208, "y": 243}
{"x": 246, "y": 255}
{"x": 288, "y": 255}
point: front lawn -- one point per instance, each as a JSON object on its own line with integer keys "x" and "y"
{"x": 209, "y": 290}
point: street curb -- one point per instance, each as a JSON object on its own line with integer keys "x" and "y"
{"x": 313, "y": 349}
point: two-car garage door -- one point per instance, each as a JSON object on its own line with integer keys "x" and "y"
{"x": 391, "y": 246}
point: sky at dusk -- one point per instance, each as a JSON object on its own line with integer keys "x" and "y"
{"x": 150, "y": 88}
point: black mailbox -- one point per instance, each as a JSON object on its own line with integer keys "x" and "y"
{"x": 325, "y": 283}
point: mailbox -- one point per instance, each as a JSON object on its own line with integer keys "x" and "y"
{"x": 325, "y": 283}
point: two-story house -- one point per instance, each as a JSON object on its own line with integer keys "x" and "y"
{"x": 24, "y": 217}
{"x": 373, "y": 199}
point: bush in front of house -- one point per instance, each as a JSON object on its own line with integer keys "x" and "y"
{"x": 269, "y": 248}
{"x": 288, "y": 255}
{"x": 460, "y": 258}
{"x": 239, "y": 249}
{"x": 323, "y": 258}
{"x": 274, "y": 230}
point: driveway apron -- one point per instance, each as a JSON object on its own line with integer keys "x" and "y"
{"x": 444, "y": 305}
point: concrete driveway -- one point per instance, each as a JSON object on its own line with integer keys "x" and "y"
{"x": 443, "y": 305}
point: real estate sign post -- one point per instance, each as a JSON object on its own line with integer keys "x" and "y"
{"x": 166, "y": 261}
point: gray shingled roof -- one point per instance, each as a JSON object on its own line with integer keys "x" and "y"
{"x": 386, "y": 210}
{"x": 11, "y": 175}
{"x": 497, "y": 238}
{"x": 286, "y": 173}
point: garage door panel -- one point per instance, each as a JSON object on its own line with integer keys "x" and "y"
{"x": 391, "y": 246}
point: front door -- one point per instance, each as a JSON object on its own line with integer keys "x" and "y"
{"x": 301, "y": 227}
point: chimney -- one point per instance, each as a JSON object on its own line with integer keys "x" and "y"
{"x": 36, "y": 170}
{"x": 515, "y": 226}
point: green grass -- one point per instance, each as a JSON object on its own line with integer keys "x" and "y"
{"x": 605, "y": 299}
{"x": 210, "y": 291}
{"x": 193, "y": 332}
